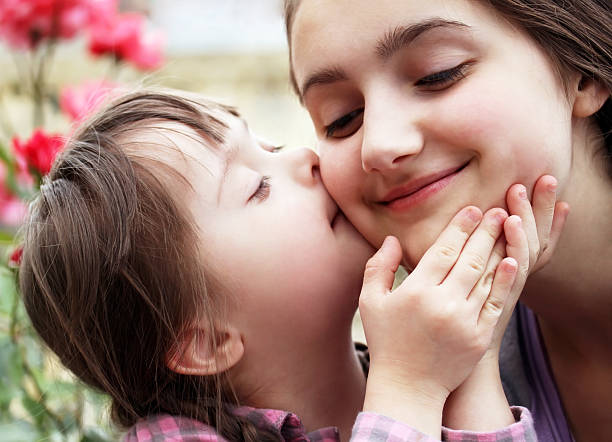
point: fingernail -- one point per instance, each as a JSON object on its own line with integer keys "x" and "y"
{"x": 552, "y": 187}
{"x": 511, "y": 265}
{"x": 522, "y": 192}
{"x": 386, "y": 242}
{"x": 474, "y": 213}
{"x": 500, "y": 217}
{"x": 517, "y": 219}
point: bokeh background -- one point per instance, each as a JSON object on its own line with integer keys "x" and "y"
{"x": 231, "y": 50}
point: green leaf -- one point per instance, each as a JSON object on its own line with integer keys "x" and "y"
{"x": 18, "y": 431}
{"x": 4, "y": 155}
{"x": 8, "y": 291}
{"x": 95, "y": 435}
{"x": 11, "y": 372}
{"x": 35, "y": 409}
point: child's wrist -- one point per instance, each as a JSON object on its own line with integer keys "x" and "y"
{"x": 414, "y": 401}
{"x": 479, "y": 404}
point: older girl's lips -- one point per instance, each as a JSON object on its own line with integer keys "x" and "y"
{"x": 418, "y": 190}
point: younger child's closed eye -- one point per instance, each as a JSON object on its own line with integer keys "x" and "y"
{"x": 263, "y": 190}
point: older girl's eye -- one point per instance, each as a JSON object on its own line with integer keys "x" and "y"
{"x": 263, "y": 190}
{"x": 442, "y": 80}
{"x": 346, "y": 125}
{"x": 276, "y": 149}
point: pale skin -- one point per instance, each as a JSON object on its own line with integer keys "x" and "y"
{"x": 284, "y": 292}
{"x": 401, "y": 90}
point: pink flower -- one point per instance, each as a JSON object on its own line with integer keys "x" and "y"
{"x": 15, "y": 258}
{"x": 124, "y": 37}
{"x": 12, "y": 209}
{"x": 24, "y": 24}
{"x": 80, "y": 101}
{"x": 38, "y": 152}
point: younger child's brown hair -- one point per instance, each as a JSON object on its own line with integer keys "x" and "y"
{"x": 111, "y": 273}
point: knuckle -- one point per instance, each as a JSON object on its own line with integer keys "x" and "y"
{"x": 446, "y": 312}
{"x": 476, "y": 262}
{"x": 495, "y": 306}
{"x": 371, "y": 271}
{"x": 486, "y": 282}
{"x": 446, "y": 252}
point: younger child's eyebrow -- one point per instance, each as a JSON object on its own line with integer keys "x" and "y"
{"x": 228, "y": 156}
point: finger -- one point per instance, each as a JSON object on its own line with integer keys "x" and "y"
{"x": 500, "y": 289}
{"x": 442, "y": 255}
{"x": 561, "y": 212}
{"x": 481, "y": 291}
{"x": 380, "y": 268}
{"x": 518, "y": 204}
{"x": 472, "y": 261}
{"x": 543, "y": 204}
{"x": 517, "y": 245}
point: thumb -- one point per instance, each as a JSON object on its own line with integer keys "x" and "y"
{"x": 380, "y": 269}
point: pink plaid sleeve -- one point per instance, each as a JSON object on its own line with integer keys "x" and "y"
{"x": 171, "y": 429}
{"x": 374, "y": 427}
{"x": 520, "y": 431}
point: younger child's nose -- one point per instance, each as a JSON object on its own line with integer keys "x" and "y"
{"x": 305, "y": 165}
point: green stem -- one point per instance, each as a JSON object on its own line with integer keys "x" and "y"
{"x": 6, "y": 124}
{"x": 13, "y": 323}
{"x": 39, "y": 84}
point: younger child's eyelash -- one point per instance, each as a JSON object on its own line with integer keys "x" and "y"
{"x": 263, "y": 191}
{"x": 278, "y": 148}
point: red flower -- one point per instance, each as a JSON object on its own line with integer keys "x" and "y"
{"x": 15, "y": 258}
{"x": 24, "y": 24}
{"x": 38, "y": 152}
{"x": 80, "y": 101}
{"x": 123, "y": 36}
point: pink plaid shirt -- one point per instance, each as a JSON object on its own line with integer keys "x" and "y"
{"x": 288, "y": 427}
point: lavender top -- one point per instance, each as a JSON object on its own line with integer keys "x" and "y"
{"x": 545, "y": 403}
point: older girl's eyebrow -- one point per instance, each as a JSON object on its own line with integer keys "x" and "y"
{"x": 401, "y": 36}
{"x": 391, "y": 42}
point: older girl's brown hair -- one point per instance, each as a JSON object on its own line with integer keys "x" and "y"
{"x": 576, "y": 35}
{"x": 111, "y": 273}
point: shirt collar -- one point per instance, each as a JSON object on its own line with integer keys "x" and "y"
{"x": 286, "y": 424}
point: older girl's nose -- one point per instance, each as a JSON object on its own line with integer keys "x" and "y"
{"x": 390, "y": 135}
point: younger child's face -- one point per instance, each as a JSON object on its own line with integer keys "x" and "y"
{"x": 290, "y": 260}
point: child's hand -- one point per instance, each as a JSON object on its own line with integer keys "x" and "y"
{"x": 480, "y": 403}
{"x": 543, "y": 223}
{"x": 426, "y": 336}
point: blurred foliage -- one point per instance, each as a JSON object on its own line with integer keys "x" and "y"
{"x": 39, "y": 398}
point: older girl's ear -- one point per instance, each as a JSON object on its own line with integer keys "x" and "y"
{"x": 200, "y": 353}
{"x": 590, "y": 96}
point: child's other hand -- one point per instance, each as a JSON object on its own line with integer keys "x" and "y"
{"x": 426, "y": 335}
{"x": 479, "y": 404}
{"x": 542, "y": 222}
{"x": 543, "y": 218}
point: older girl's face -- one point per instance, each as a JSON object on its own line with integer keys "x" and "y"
{"x": 424, "y": 107}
